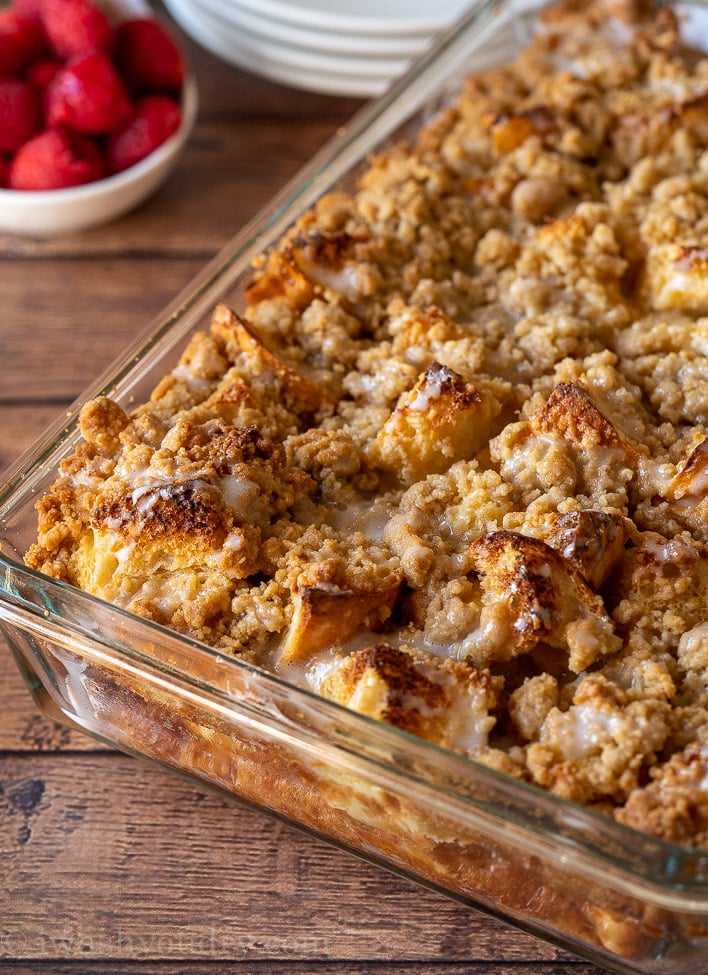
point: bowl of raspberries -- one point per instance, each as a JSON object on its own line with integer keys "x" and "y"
{"x": 96, "y": 104}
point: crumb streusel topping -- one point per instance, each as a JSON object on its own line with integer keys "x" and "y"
{"x": 449, "y": 467}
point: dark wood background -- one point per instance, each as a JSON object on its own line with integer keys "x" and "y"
{"x": 108, "y": 864}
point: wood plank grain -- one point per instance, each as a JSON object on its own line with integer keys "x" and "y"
{"x": 106, "y": 857}
{"x": 58, "y": 339}
{"x": 20, "y": 426}
{"x": 300, "y": 968}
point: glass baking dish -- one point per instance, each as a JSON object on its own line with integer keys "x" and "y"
{"x": 622, "y": 899}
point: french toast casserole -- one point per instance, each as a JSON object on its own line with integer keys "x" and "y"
{"x": 448, "y": 465}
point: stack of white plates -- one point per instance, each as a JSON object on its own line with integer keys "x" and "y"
{"x": 340, "y": 47}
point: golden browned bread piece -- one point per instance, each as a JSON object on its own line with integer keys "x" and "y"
{"x": 447, "y": 702}
{"x": 440, "y": 420}
{"x": 448, "y": 466}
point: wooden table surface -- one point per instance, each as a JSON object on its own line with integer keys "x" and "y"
{"x": 108, "y": 864}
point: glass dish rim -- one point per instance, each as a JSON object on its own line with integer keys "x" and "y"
{"x": 172, "y": 324}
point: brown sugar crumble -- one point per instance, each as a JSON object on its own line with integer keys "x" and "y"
{"x": 449, "y": 465}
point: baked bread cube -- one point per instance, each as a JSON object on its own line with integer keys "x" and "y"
{"x": 688, "y": 492}
{"x": 326, "y": 615}
{"x": 592, "y": 540}
{"x": 263, "y": 370}
{"x": 441, "y": 420}
{"x": 678, "y": 277}
{"x": 532, "y": 596}
{"x": 446, "y": 702}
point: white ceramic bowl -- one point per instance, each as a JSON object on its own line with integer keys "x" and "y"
{"x": 50, "y": 213}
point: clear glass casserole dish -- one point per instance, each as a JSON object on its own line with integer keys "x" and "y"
{"x": 623, "y": 899}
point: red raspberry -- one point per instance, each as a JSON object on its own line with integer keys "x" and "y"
{"x": 148, "y": 57}
{"x": 156, "y": 118}
{"x": 22, "y": 39}
{"x": 53, "y": 160}
{"x": 88, "y": 96}
{"x": 76, "y": 27}
{"x": 20, "y": 113}
{"x": 41, "y": 72}
{"x": 28, "y": 8}
{"x": 3, "y": 172}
